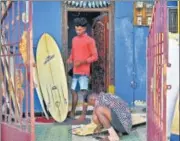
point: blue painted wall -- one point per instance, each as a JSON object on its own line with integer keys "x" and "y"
{"x": 129, "y": 40}
{"x": 46, "y": 18}
{"x": 172, "y": 3}
{"x": 174, "y": 137}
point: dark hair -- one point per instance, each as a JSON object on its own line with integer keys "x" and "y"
{"x": 81, "y": 22}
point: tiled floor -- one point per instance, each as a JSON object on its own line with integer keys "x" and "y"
{"x": 56, "y": 132}
{"x": 52, "y": 132}
{"x": 62, "y": 132}
{"x": 138, "y": 134}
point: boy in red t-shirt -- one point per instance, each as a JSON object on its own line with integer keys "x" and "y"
{"x": 83, "y": 53}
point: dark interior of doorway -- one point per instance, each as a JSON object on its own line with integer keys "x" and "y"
{"x": 90, "y": 16}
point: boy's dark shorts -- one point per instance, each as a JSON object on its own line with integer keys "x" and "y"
{"x": 117, "y": 125}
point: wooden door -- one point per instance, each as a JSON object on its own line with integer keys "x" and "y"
{"x": 100, "y": 71}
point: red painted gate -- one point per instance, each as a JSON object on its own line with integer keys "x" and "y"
{"x": 16, "y": 85}
{"x": 157, "y": 60}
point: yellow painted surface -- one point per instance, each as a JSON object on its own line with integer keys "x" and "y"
{"x": 175, "y": 125}
{"x": 52, "y": 78}
{"x": 23, "y": 46}
{"x": 111, "y": 89}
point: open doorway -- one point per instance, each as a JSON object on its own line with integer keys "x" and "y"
{"x": 100, "y": 21}
{"x": 98, "y": 29}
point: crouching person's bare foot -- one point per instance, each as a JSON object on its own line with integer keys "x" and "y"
{"x": 108, "y": 138}
{"x": 113, "y": 136}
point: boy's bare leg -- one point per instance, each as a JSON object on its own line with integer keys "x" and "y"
{"x": 84, "y": 110}
{"x": 74, "y": 104}
{"x": 95, "y": 118}
{"x": 85, "y": 106}
{"x": 97, "y": 122}
{"x": 104, "y": 116}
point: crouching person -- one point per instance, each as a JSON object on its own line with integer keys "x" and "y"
{"x": 110, "y": 112}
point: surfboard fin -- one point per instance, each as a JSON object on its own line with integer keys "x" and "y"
{"x": 48, "y": 103}
{"x": 54, "y": 91}
{"x": 65, "y": 100}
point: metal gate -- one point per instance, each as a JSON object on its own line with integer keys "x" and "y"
{"x": 157, "y": 61}
{"x": 16, "y": 85}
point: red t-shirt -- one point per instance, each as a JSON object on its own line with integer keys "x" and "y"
{"x": 83, "y": 49}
